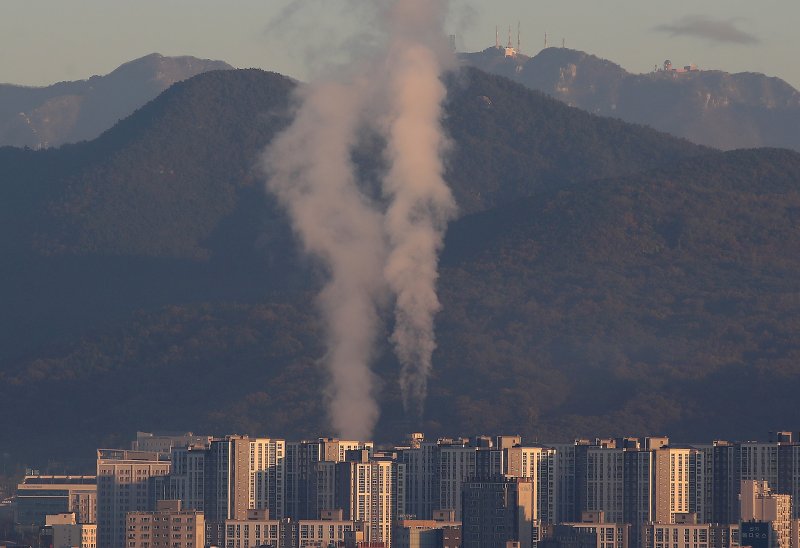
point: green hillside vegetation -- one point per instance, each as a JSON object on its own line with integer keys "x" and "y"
{"x": 602, "y": 277}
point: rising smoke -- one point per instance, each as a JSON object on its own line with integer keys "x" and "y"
{"x": 420, "y": 201}
{"x": 369, "y": 249}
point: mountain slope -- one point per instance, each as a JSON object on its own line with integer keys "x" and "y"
{"x": 601, "y": 277}
{"x": 69, "y": 112}
{"x": 126, "y": 193}
{"x": 631, "y": 305}
{"x": 713, "y": 108}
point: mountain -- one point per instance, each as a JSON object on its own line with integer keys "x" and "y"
{"x": 709, "y": 107}
{"x": 602, "y": 278}
{"x": 69, "y": 112}
{"x": 650, "y": 302}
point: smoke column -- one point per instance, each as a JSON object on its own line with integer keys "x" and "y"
{"x": 420, "y": 200}
{"x": 369, "y": 250}
{"x": 311, "y": 173}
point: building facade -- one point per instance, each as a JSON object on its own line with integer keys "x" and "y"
{"x": 496, "y": 512}
{"x": 124, "y": 485}
{"x": 168, "y": 526}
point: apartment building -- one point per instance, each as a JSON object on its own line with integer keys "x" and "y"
{"x": 124, "y": 485}
{"x": 169, "y": 526}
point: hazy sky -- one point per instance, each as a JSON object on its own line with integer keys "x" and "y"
{"x": 45, "y": 41}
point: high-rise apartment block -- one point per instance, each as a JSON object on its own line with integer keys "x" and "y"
{"x": 672, "y": 466}
{"x": 371, "y": 490}
{"x": 227, "y": 484}
{"x": 539, "y": 464}
{"x": 644, "y": 491}
{"x": 267, "y": 475}
{"x": 124, "y": 485}
{"x": 301, "y": 459}
{"x": 497, "y": 511}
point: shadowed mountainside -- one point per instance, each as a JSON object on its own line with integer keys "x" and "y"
{"x": 603, "y": 278}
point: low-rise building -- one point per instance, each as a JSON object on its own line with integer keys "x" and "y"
{"x": 39, "y": 496}
{"x": 591, "y": 531}
{"x": 259, "y": 530}
{"x": 690, "y": 535}
{"x": 167, "y": 527}
{"x": 441, "y": 532}
{"x": 758, "y": 504}
{"x": 65, "y": 532}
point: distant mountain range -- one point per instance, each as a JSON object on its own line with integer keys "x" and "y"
{"x": 708, "y": 107}
{"x": 69, "y": 112}
{"x": 602, "y": 278}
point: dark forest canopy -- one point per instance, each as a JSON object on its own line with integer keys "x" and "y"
{"x": 603, "y": 278}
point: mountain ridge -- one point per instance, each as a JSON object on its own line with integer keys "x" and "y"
{"x": 600, "y": 277}
{"x": 709, "y": 107}
{"x": 72, "y": 111}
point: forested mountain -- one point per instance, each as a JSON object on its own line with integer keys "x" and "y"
{"x": 709, "y": 107}
{"x": 68, "y": 112}
{"x": 601, "y": 277}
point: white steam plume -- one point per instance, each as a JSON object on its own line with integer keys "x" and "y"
{"x": 396, "y": 91}
{"x": 312, "y": 174}
{"x": 420, "y": 200}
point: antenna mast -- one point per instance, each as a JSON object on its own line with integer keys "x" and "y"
{"x": 496, "y": 37}
{"x": 519, "y": 45}
{"x": 545, "y": 40}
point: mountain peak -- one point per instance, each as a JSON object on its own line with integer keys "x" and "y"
{"x": 709, "y": 107}
{"x": 68, "y": 112}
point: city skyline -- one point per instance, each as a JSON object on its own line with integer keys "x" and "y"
{"x": 240, "y": 492}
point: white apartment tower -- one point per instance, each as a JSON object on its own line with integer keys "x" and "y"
{"x": 673, "y": 490}
{"x": 370, "y": 491}
{"x": 538, "y": 464}
{"x": 268, "y": 475}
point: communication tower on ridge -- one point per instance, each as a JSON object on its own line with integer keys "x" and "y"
{"x": 510, "y": 51}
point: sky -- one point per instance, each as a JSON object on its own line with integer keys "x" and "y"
{"x": 47, "y": 41}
